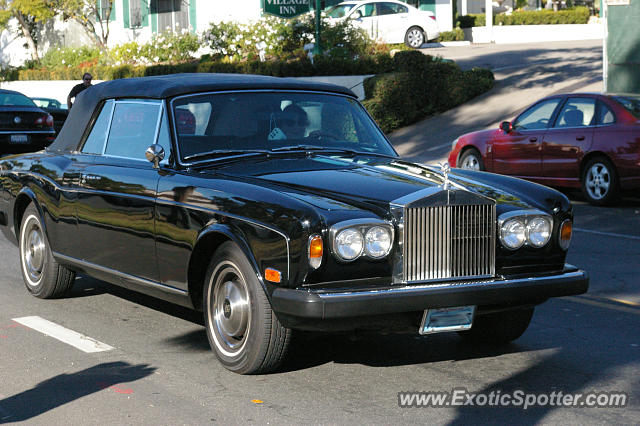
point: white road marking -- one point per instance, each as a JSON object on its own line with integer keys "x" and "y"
{"x": 608, "y": 234}
{"x": 70, "y": 337}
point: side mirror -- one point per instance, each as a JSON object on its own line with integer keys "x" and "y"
{"x": 506, "y": 126}
{"x": 155, "y": 154}
{"x": 356, "y": 15}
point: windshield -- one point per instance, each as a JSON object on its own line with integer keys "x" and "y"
{"x": 15, "y": 99}
{"x": 630, "y": 103}
{"x": 339, "y": 11}
{"x": 234, "y": 123}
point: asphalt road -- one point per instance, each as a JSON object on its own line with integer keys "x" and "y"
{"x": 160, "y": 369}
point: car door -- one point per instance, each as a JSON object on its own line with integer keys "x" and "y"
{"x": 393, "y": 21}
{"x": 117, "y": 191}
{"x": 568, "y": 139}
{"x": 366, "y": 18}
{"x": 519, "y": 152}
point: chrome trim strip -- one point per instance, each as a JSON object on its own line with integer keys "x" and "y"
{"x": 456, "y": 284}
{"x": 29, "y": 132}
{"x": 129, "y": 277}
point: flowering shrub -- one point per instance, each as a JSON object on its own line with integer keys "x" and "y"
{"x": 171, "y": 47}
{"x": 275, "y": 38}
{"x": 70, "y": 57}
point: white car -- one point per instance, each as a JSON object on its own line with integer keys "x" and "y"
{"x": 389, "y": 21}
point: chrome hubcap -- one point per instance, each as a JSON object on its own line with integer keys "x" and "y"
{"x": 33, "y": 251}
{"x": 415, "y": 38}
{"x": 470, "y": 163}
{"x": 598, "y": 181}
{"x": 231, "y": 310}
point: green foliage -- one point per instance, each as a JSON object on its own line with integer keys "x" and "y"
{"x": 277, "y": 38}
{"x": 172, "y": 47}
{"x": 471, "y": 20}
{"x": 578, "y": 15}
{"x": 456, "y": 35}
{"x": 70, "y": 57}
{"x": 417, "y": 90}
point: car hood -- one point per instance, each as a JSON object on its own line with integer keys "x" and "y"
{"x": 484, "y": 134}
{"x": 330, "y": 182}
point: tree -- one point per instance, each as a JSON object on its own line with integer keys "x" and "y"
{"x": 92, "y": 15}
{"x": 28, "y": 13}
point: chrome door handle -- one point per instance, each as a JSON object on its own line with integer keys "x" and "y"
{"x": 579, "y": 138}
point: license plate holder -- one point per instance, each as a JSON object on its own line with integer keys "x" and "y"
{"x": 19, "y": 139}
{"x": 441, "y": 320}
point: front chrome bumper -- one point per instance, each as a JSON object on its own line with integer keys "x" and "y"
{"x": 326, "y": 304}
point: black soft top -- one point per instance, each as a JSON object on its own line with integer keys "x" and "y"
{"x": 168, "y": 86}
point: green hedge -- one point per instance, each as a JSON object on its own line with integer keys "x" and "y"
{"x": 456, "y": 35}
{"x": 375, "y": 64}
{"x": 421, "y": 86}
{"x": 578, "y": 15}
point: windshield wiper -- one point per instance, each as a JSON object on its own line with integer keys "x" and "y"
{"x": 225, "y": 153}
{"x": 327, "y": 150}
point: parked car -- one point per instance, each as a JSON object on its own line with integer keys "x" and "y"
{"x": 589, "y": 141}
{"x": 23, "y": 126}
{"x": 389, "y": 21}
{"x": 274, "y": 204}
{"x": 54, "y": 107}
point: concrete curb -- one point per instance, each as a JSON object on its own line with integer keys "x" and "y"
{"x": 446, "y": 44}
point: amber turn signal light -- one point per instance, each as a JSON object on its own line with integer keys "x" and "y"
{"x": 315, "y": 251}
{"x": 272, "y": 275}
{"x": 565, "y": 234}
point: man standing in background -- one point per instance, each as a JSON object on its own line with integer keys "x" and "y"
{"x": 86, "y": 82}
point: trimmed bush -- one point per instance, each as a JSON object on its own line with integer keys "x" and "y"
{"x": 578, "y": 15}
{"x": 414, "y": 92}
{"x": 456, "y": 35}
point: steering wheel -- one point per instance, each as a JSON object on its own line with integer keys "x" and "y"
{"x": 319, "y": 134}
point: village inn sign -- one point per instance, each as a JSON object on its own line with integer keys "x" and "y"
{"x": 286, "y": 8}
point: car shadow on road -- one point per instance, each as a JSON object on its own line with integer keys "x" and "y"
{"x": 86, "y": 286}
{"x": 65, "y": 388}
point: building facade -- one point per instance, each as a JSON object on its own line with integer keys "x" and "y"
{"x": 139, "y": 19}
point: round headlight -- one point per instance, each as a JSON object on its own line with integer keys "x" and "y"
{"x": 512, "y": 234}
{"x": 349, "y": 243}
{"x": 538, "y": 231}
{"x": 377, "y": 242}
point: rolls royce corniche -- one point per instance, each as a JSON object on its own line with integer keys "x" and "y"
{"x": 274, "y": 205}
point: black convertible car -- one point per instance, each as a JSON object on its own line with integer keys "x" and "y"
{"x": 24, "y": 127}
{"x": 272, "y": 205}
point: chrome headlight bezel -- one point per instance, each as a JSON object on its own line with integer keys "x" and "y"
{"x": 527, "y": 219}
{"x": 361, "y": 226}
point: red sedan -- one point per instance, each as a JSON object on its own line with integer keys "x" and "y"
{"x": 589, "y": 141}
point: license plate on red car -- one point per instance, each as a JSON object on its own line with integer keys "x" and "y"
{"x": 19, "y": 138}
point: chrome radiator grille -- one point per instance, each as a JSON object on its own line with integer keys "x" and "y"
{"x": 449, "y": 242}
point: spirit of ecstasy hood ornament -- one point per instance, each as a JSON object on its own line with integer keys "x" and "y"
{"x": 444, "y": 169}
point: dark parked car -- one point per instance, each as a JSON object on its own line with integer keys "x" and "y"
{"x": 588, "y": 141}
{"x": 54, "y": 107}
{"x": 23, "y": 126}
{"x": 275, "y": 204}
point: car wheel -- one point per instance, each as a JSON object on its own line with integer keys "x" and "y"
{"x": 43, "y": 276}
{"x": 414, "y": 37}
{"x": 471, "y": 160}
{"x": 243, "y": 331}
{"x": 499, "y": 327}
{"x": 600, "y": 181}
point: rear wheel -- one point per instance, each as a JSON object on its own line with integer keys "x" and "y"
{"x": 471, "y": 160}
{"x": 243, "y": 331}
{"x": 600, "y": 181}
{"x": 414, "y": 37}
{"x": 43, "y": 276}
{"x": 499, "y": 327}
